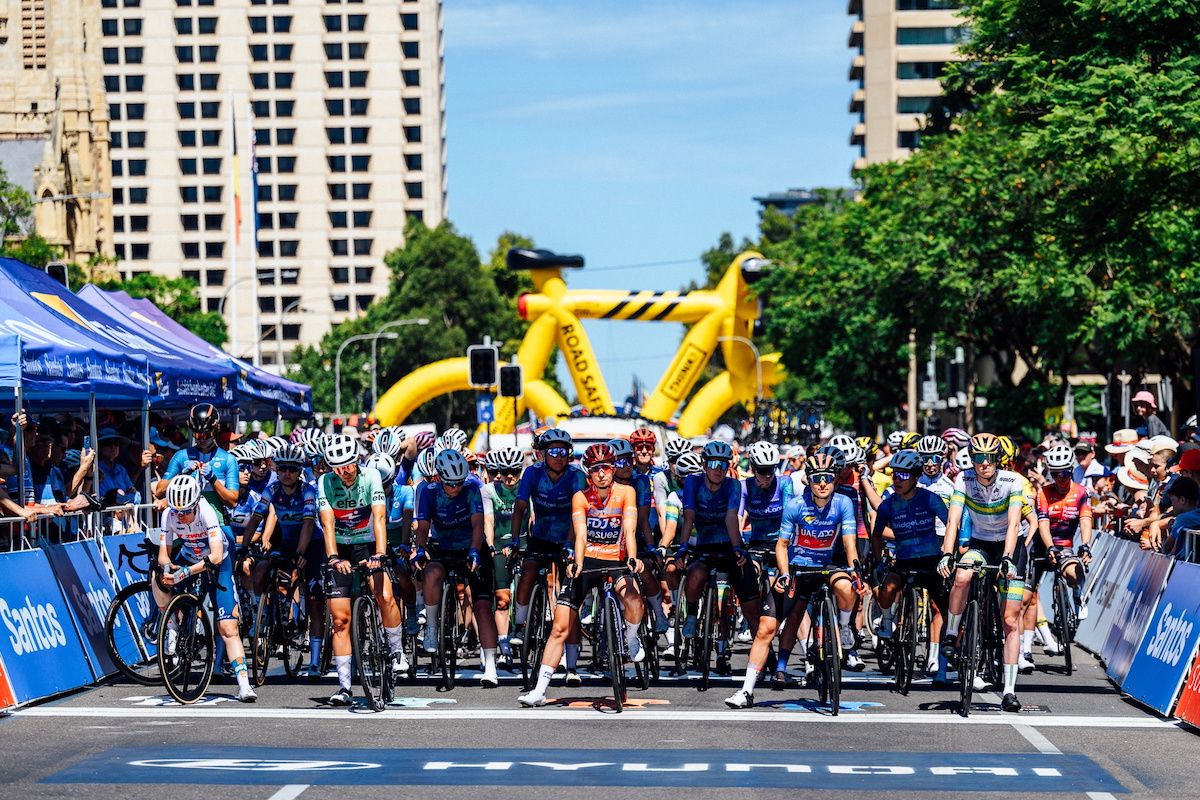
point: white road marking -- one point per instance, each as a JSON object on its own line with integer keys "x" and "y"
{"x": 1035, "y": 738}
{"x": 634, "y": 715}
{"x": 289, "y": 792}
{"x": 1100, "y": 796}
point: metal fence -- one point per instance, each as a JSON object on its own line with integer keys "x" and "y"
{"x": 17, "y": 534}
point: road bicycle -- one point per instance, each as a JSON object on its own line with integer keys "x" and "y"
{"x": 281, "y": 621}
{"x": 188, "y": 667}
{"x": 538, "y": 622}
{"x": 715, "y": 600}
{"x": 132, "y": 619}
{"x": 1066, "y": 615}
{"x": 910, "y": 617}
{"x": 980, "y": 649}
{"x": 607, "y": 631}
{"x": 825, "y": 653}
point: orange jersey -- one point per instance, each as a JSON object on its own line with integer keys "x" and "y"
{"x": 1063, "y": 511}
{"x": 606, "y": 520}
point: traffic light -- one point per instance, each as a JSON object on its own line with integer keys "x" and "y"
{"x": 482, "y": 360}
{"x": 510, "y": 381}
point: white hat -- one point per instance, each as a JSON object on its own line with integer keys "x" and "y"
{"x": 1132, "y": 478}
{"x": 1161, "y": 442}
{"x": 1123, "y": 440}
{"x": 1137, "y": 458}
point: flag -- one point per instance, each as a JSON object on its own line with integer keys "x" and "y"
{"x": 253, "y": 179}
{"x": 236, "y": 201}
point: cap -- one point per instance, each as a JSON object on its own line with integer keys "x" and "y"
{"x": 1132, "y": 478}
{"x": 1162, "y": 442}
{"x": 157, "y": 440}
{"x": 111, "y": 434}
{"x": 1084, "y": 447}
{"x": 1190, "y": 460}
{"x": 1144, "y": 397}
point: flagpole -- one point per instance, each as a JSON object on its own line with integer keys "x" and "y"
{"x": 254, "y": 242}
{"x": 233, "y": 225}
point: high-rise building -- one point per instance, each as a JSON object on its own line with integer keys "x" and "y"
{"x": 54, "y": 120}
{"x": 901, "y": 50}
{"x": 339, "y": 107}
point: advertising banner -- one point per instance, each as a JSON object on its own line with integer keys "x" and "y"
{"x": 8, "y": 698}
{"x": 1188, "y": 708}
{"x": 88, "y": 590}
{"x": 40, "y": 649}
{"x": 1136, "y": 601}
{"x": 127, "y": 568}
{"x": 1101, "y": 593}
{"x": 1165, "y": 653}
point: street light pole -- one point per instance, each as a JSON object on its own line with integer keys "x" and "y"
{"x": 375, "y": 351}
{"x": 337, "y": 365}
{"x": 757, "y": 364}
{"x": 225, "y": 296}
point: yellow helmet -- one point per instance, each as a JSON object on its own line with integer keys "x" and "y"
{"x": 868, "y": 446}
{"x": 909, "y": 440}
{"x": 986, "y": 443}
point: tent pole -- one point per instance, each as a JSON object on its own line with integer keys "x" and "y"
{"x": 278, "y": 421}
{"x": 147, "y": 478}
{"x": 92, "y": 431}
{"x": 19, "y": 447}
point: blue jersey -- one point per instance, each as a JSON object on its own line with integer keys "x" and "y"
{"x": 811, "y": 532}
{"x": 550, "y": 501}
{"x": 449, "y": 517}
{"x": 918, "y": 524}
{"x": 291, "y": 510}
{"x": 403, "y": 499}
{"x": 641, "y": 488}
{"x": 247, "y": 505}
{"x": 710, "y": 507}
{"x": 215, "y": 465}
{"x": 764, "y": 507}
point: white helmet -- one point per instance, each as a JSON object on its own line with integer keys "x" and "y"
{"x": 425, "y": 466}
{"x": 931, "y": 446}
{"x": 312, "y": 441}
{"x": 674, "y": 447}
{"x": 384, "y": 464}
{"x": 689, "y": 464}
{"x": 183, "y": 492}
{"x": 1060, "y": 457}
{"x": 451, "y": 466}
{"x": 453, "y": 439}
{"x": 895, "y": 438}
{"x": 962, "y": 459}
{"x": 271, "y": 444}
{"x": 854, "y": 454}
{"x": 504, "y": 458}
{"x": 842, "y": 442}
{"x": 340, "y": 450}
{"x": 763, "y": 454}
{"x": 389, "y": 441}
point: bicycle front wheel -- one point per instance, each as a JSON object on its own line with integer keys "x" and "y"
{"x": 904, "y": 643}
{"x": 832, "y": 656}
{"x": 708, "y": 622}
{"x": 292, "y": 620}
{"x": 263, "y": 641}
{"x": 535, "y": 636}
{"x": 448, "y": 635}
{"x": 1063, "y": 611}
{"x": 370, "y": 654}
{"x": 187, "y": 670}
{"x": 968, "y": 656}
{"x": 131, "y": 633}
{"x": 614, "y": 646}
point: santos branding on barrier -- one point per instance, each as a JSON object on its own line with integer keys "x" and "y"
{"x": 127, "y": 572}
{"x": 86, "y": 585}
{"x": 38, "y": 643}
{"x": 1164, "y": 657}
{"x": 1137, "y": 599}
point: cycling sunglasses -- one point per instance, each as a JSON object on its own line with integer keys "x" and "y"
{"x": 985, "y": 458}
{"x": 621, "y": 463}
{"x": 716, "y": 463}
{"x": 505, "y": 472}
{"x": 557, "y": 452}
{"x": 764, "y": 471}
{"x": 822, "y": 477}
{"x": 644, "y": 448}
{"x": 1060, "y": 473}
{"x": 200, "y": 435}
{"x": 933, "y": 458}
{"x": 287, "y": 468}
{"x": 599, "y": 468}
{"x": 901, "y": 475}
{"x": 452, "y": 484}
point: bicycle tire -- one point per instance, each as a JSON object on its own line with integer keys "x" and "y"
{"x": 992, "y": 643}
{"x": 262, "y": 643}
{"x": 901, "y": 634}
{"x": 128, "y": 630}
{"x": 1062, "y": 620}
{"x": 968, "y": 656}
{"x": 679, "y": 645}
{"x": 448, "y": 635}
{"x": 708, "y": 623}
{"x": 187, "y": 673}
{"x": 649, "y": 666}
{"x": 370, "y": 656}
{"x": 615, "y": 649}
{"x": 326, "y": 639}
{"x": 534, "y": 639}
{"x": 294, "y": 622}
{"x": 833, "y": 657}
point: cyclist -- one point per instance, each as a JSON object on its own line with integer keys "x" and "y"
{"x": 764, "y": 496}
{"x": 191, "y": 520}
{"x": 812, "y": 523}
{"x": 932, "y": 450}
{"x": 499, "y": 497}
{"x": 214, "y": 468}
{"x": 913, "y": 518}
{"x": 401, "y": 506}
{"x": 547, "y": 488}
{"x": 626, "y": 473}
{"x": 991, "y": 499}
{"x": 604, "y": 517}
{"x": 254, "y": 476}
{"x": 450, "y": 536}
{"x": 352, "y": 508}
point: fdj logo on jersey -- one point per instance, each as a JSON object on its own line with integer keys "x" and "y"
{"x": 32, "y": 627}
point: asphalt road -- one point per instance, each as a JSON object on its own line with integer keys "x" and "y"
{"x": 1075, "y": 738}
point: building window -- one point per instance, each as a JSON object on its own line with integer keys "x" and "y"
{"x": 288, "y": 248}
{"x": 363, "y": 300}
{"x": 191, "y": 250}
{"x": 186, "y": 82}
{"x": 415, "y": 214}
{"x": 356, "y": 51}
{"x": 359, "y": 106}
{"x": 361, "y": 191}
{"x": 118, "y": 167}
{"x": 261, "y": 108}
{"x": 912, "y": 105}
{"x": 287, "y": 220}
{"x": 211, "y": 137}
{"x": 335, "y": 108}
{"x": 212, "y": 194}
{"x": 138, "y": 195}
{"x": 408, "y": 22}
{"x": 360, "y": 163}
{"x": 412, "y": 162}
{"x": 112, "y": 55}
{"x": 139, "y": 224}
{"x": 258, "y": 52}
{"x": 929, "y": 35}
{"x": 266, "y": 305}
{"x": 135, "y": 83}
{"x": 336, "y": 163}
{"x": 286, "y": 192}
{"x": 340, "y": 275}
{"x": 283, "y": 80}
{"x": 188, "y": 194}
{"x": 210, "y": 110}
{"x": 214, "y": 277}
{"x": 336, "y": 135}
{"x": 362, "y": 247}
{"x": 362, "y": 219}
{"x": 412, "y": 105}
{"x": 341, "y": 303}
{"x": 183, "y": 25}
{"x": 357, "y": 78}
{"x": 212, "y": 222}
{"x": 137, "y": 167}
{"x": 356, "y": 22}
{"x": 133, "y": 55}
{"x": 410, "y": 49}
{"x": 187, "y": 138}
{"x": 266, "y": 249}
{"x": 258, "y": 24}
{"x": 282, "y": 24}
{"x": 339, "y": 247}
{"x": 335, "y": 80}
{"x": 183, "y": 54}
{"x": 412, "y": 134}
{"x": 284, "y": 108}
{"x": 363, "y": 274}
{"x": 415, "y": 190}
{"x": 186, "y": 110}
{"x": 109, "y": 27}
{"x": 337, "y": 219}
{"x": 260, "y": 80}
{"x": 209, "y": 81}
{"x": 359, "y": 135}
{"x": 333, "y": 52}
{"x": 285, "y": 136}
{"x": 132, "y": 26}
{"x": 266, "y": 221}
{"x": 112, "y": 83}
{"x": 909, "y": 139}
{"x": 285, "y": 165}
{"x": 337, "y": 191}
{"x": 333, "y": 23}
{"x": 412, "y": 77}
{"x": 264, "y": 193}
{"x": 135, "y": 111}
{"x": 212, "y": 166}
{"x": 139, "y": 251}
{"x": 920, "y": 70}
{"x": 135, "y": 139}
{"x": 283, "y": 52}
{"x": 925, "y": 5}
{"x": 208, "y": 52}
{"x": 214, "y": 249}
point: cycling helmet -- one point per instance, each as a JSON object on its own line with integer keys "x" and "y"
{"x": 688, "y": 463}
{"x": 868, "y": 446}
{"x": 986, "y": 443}
{"x": 931, "y": 446}
{"x": 451, "y": 466}
{"x": 1191, "y": 422}
{"x": 909, "y": 441}
{"x": 204, "y": 417}
{"x": 311, "y": 441}
{"x": 854, "y": 454}
{"x": 554, "y": 437}
{"x": 340, "y": 450}
{"x": 424, "y": 439}
{"x": 718, "y": 450}
{"x": 504, "y": 458}
{"x": 242, "y": 454}
{"x": 1060, "y": 457}
{"x": 956, "y": 436}
{"x": 621, "y": 448}
{"x": 384, "y": 464}
{"x": 962, "y": 460}
{"x": 894, "y": 438}
{"x": 425, "y": 465}
{"x": 763, "y": 454}
{"x": 453, "y": 439}
{"x": 183, "y": 492}
{"x": 838, "y": 458}
{"x": 289, "y": 454}
{"x": 271, "y": 444}
{"x": 643, "y": 436}
{"x": 600, "y": 454}
{"x": 674, "y": 447}
{"x": 1007, "y": 449}
{"x": 842, "y": 441}
{"x": 388, "y": 441}
{"x": 907, "y": 461}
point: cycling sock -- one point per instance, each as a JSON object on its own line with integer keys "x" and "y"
{"x": 343, "y": 670}
{"x": 1010, "y": 679}
{"x": 631, "y": 633}
{"x": 657, "y": 605}
{"x": 395, "y": 637}
{"x": 844, "y": 616}
{"x": 545, "y": 673}
{"x": 431, "y": 618}
{"x": 1047, "y": 636}
{"x": 1026, "y": 641}
{"x": 781, "y": 660}
{"x": 952, "y": 621}
{"x": 935, "y": 653}
{"x": 572, "y": 653}
{"x": 751, "y": 678}
{"x": 487, "y": 659}
{"x": 522, "y": 613}
{"x": 314, "y": 650}
{"x": 239, "y": 672}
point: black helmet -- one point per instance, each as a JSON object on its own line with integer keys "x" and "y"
{"x": 204, "y": 417}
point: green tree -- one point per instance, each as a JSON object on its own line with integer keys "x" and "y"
{"x": 179, "y": 299}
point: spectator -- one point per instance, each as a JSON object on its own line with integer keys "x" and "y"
{"x": 1145, "y": 407}
{"x": 116, "y": 487}
{"x": 1088, "y": 468}
{"x": 1188, "y": 432}
{"x": 1184, "y": 494}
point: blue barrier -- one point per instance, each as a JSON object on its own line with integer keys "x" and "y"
{"x": 1164, "y": 655}
{"x": 88, "y": 589}
{"x": 1138, "y": 594}
{"x": 40, "y": 648}
{"x": 125, "y": 576}
{"x": 1102, "y": 594}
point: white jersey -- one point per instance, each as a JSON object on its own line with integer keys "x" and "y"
{"x": 942, "y": 486}
{"x": 197, "y": 536}
{"x": 988, "y": 505}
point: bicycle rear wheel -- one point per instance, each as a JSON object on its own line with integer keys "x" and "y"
{"x": 326, "y": 640}
{"x": 678, "y": 644}
{"x": 131, "y": 633}
{"x": 904, "y": 643}
{"x": 1063, "y": 610}
{"x": 292, "y": 621}
{"x": 370, "y": 654}
{"x": 448, "y": 634}
{"x": 187, "y": 672}
{"x": 535, "y": 636}
{"x": 832, "y": 657}
{"x": 708, "y": 622}
{"x": 615, "y": 648}
{"x": 968, "y": 656}
{"x": 263, "y": 641}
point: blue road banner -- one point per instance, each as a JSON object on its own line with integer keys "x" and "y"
{"x": 1164, "y": 656}
{"x": 126, "y": 574}
{"x": 1101, "y": 594}
{"x": 1137, "y": 599}
{"x": 1020, "y": 773}
{"x": 41, "y": 651}
{"x": 88, "y": 591}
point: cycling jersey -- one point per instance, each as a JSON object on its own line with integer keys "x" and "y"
{"x": 662, "y": 485}
{"x": 291, "y": 510}
{"x": 551, "y": 500}
{"x": 988, "y": 505}
{"x": 918, "y": 524}
{"x": 605, "y": 520}
{"x": 449, "y": 517}
{"x": 248, "y": 504}
{"x": 850, "y": 491}
{"x": 710, "y": 507}
{"x": 196, "y": 536}
{"x": 498, "y": 502}
{"x": 764, "y": 508}
{"x": 1063, "y": 510}
{"x": 215, "y": 465}
{"x": 402, "y": 499}
{"x": 351, "y": 505}
{"x": 812, "y": 531}
{"x": 942, "y": 486}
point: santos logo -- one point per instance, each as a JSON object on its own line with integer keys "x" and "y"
{"x": 1170, "y": 637}
{"x": 95, "y": 599}
{"x": 32, "y": 627}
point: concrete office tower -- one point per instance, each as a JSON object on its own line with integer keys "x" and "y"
{"x": 54, "y": 120}
{"x": 901, "y": 49}
{"x": 344, "y": 103}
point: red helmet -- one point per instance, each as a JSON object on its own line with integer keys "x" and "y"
{"x": 598, "y": 454}
{"x": 643, "y": 436}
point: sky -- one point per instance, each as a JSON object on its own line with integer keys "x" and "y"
{"x": 635, "y": 133}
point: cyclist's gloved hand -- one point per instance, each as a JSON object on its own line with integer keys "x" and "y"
{"x": 633, "y": 564}
{"x": 681, "y": 553}
{"x": 661, "y": 552}
{"x": 858, "y": 574}
{"x": 881, "y": 571}
{"x": 1054, "y": 553}
{"x": 418, "y": 555}
{"x": 741, "y": 554}
{"x": 1007, "y": 568}
{"x": 944, "y": 565}
{"x": 572, "y": 569}
{"x": 781, "y": 582}
{"x": 473, "y": 559}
